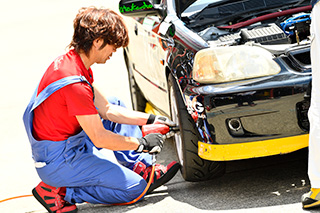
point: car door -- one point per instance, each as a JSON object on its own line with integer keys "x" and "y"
{"x": 149, "y": 61}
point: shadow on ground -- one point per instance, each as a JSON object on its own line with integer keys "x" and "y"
{"x": 253, "y": 183}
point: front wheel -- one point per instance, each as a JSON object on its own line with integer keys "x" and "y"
{"x": 193, "y": 168}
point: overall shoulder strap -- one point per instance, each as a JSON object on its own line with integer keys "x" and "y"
{"x": 43, "y": 95}
{"x": 53, "y": 87}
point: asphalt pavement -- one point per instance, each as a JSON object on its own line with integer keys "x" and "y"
{"x": 33, "y": 34}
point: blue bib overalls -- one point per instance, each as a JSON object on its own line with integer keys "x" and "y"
{"x": 77, "y": 164}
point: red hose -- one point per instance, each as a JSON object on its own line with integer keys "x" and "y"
{"x": 11, "y": 198}
{"x": 115, "y": 204}
{"x": 266, "y": 17}
{"x": 142, "y": 194}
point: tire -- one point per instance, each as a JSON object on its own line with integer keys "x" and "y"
{"x": 137, "y": 99}
{"x": 193, "y": 168}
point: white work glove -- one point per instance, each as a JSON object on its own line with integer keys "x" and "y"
{"x": 158, "y": 119}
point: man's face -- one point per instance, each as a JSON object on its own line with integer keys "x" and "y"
{"x": 105, "y": 53}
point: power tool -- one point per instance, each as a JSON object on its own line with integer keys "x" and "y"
{"x": 158, "y": 128}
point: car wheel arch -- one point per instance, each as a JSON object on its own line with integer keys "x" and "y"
{"x": 193, "y": 167}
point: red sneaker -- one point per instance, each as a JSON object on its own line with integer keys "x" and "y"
{"x": 52, "y": 198}
{"x": 162, "y": 173}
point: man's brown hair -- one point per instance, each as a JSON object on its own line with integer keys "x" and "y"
{"x": 92, "y": 23}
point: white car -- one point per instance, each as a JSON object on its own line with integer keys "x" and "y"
{"x": 234, "y": 75}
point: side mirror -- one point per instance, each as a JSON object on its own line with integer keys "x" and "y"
{"x": 167, "y": 29}
{"x": 138, "y": 8}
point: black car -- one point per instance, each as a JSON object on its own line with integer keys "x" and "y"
{"x": 234, "y": 75}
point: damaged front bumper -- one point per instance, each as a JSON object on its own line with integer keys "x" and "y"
{"x": 253, "y": 118}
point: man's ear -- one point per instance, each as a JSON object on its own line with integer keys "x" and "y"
{"x": 97, "y": 43}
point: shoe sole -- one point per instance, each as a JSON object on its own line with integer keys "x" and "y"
{"x": 43, "y": 203}
{"x": 169, "y": 175}
{"x": 37, "y": 196}
{"x": 310, "y": 203}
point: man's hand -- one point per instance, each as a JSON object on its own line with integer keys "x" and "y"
{"x": 151, "y": 143}
{"x": 158, "y": 119}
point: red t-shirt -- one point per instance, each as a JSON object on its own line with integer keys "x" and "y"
{"x": 54, "y": 119}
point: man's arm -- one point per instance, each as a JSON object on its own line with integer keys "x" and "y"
{"x": 117, "y": 113}
{"x": 103, "y": 138}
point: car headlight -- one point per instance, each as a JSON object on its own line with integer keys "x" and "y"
{"x": 224, "y": 64}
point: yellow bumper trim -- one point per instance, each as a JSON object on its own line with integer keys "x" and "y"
{"x": 218, "y": 152}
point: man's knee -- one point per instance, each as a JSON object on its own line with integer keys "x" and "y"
{"x": 135, "y": 191}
